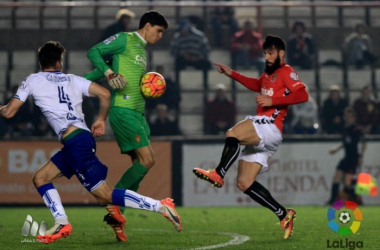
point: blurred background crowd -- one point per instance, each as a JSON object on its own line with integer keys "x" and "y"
{"x": 337, "y": 59}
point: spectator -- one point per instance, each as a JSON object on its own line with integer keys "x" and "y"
{"x": 190, "y": 47}
{"x": 247, "y": 48}
{"x": 162, "y": 125}
{"x": 301, "y": 47}
{"x": 220, "y": 112}
{"x": 366, "y": 111}
{"x": 358, "y": 48}
{"x": 333, "y": 109}
{"x": 223, "y": 16}
{"x": 171, "y": 98}
{"x": 123, "y": 18}
{"x": 305, "y": 117}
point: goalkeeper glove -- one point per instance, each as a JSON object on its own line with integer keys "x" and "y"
{"x": 115, "y": 80}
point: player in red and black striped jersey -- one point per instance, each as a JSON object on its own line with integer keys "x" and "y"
{"x": 278, "y": 87}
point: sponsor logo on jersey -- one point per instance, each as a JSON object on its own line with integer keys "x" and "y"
{"x": 109, "y": 40}
{"x": 265, "y": 91}
{"x": 293, "y": 75}
{"x": 140, "y": 60}
{"x": 274, "y": 78}
{"x": 126, "y": 97}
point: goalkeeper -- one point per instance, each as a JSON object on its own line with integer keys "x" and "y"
{"x": 127, "y": 109}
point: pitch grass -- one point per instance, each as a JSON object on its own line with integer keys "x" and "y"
{"x": 201, "y": 227}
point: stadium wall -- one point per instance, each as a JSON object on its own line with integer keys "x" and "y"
{"x": 300, "y": 173}
{"x": 19, "y": 160}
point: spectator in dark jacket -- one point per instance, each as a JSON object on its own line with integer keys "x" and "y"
{"x": 220, "y": 112}
{"x": 190, "y": 47}
{"x": 333, "y": 110}
{"x": 366, "y": 111}
{"x": 300, "y": 47}
{"x": 162, "y": 125}
{"x": 123, "y": 18}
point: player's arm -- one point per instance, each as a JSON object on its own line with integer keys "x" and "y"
{"x": 94, "y": 75}
{"x": 334, "y": 150}
{"x": 95, "y": 90}
{"x": 249, "y": 82}
{"x": 114, "y": 45}
{"x": 9, "y": 110}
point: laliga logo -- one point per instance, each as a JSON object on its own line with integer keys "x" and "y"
{"x": 349, "y": 217}
{"x": 344, "y": 218}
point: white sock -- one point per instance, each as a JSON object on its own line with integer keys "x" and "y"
{"x": 53, "y": 202}
{"x": 135, "y": 200}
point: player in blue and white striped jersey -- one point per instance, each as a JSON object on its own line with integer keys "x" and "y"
{"x": 59, "y": 97}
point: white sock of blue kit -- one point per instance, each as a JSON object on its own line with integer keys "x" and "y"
{"x": 128, "y": 198}
{"x": 53, "y": 202}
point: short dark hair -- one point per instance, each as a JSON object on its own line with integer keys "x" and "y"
{"x": 50, "y": 53}
{"x": 298, "y": 24}
{"x": 154, "y": 18}
{"x": 271, "y": 41}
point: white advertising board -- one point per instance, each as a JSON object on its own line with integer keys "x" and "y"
{"x": 299, "y": 174}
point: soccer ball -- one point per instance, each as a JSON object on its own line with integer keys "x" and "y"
{"x": 344, "y": 217}
{"x": 152, "y": 85}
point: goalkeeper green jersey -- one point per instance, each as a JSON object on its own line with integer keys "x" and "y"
{"x": 129, "y": 60}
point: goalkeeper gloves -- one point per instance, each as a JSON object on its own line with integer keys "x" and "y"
{"x": 115, "y": 80}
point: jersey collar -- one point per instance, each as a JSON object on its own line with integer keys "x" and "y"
{"x": 142, "y": 39}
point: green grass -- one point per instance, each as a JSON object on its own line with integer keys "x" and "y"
{"x": 201, "y": 227}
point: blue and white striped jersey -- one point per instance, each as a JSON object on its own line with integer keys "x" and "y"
{"x": 59, "y": 96}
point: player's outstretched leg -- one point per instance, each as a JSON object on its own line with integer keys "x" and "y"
{"x": 57, "y": 232}
{"x": 117, "y": 221}
{"x": 166, "y": 207}
{"x": 230, "y": 153}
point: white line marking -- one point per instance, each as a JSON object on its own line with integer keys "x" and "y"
{"x": 237, "y": 239}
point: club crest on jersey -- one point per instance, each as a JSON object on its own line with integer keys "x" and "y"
{"x": 109, "y": 40}
{"x": 294, "y": 76}
{"x": 265, "y": 91}
{"x": 274, "y": 78}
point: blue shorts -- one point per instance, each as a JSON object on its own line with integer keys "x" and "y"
{"x": 78, "y": 157}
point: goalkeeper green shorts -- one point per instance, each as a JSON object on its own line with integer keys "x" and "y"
{"x": 130, "y": 128}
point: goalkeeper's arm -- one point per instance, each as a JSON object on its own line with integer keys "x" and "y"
{"x": 94, "y": 75}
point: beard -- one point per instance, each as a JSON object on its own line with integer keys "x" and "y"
{"x": 270, "y": 69}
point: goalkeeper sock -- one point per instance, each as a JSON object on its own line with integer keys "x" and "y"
{"x": 230, "y": 153}
{"x": 131, "y": 178}
{"x": 128, "y": 198}
{"x": 53, "y": 202}
{"x": 262, "y": 196}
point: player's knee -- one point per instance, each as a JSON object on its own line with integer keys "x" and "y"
{"x": 39, "y": 179}
{"x": 243, "y": 184}
{"x": 148, "y": 162}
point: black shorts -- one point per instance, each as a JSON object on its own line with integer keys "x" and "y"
{"x": 348, "y": 165}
